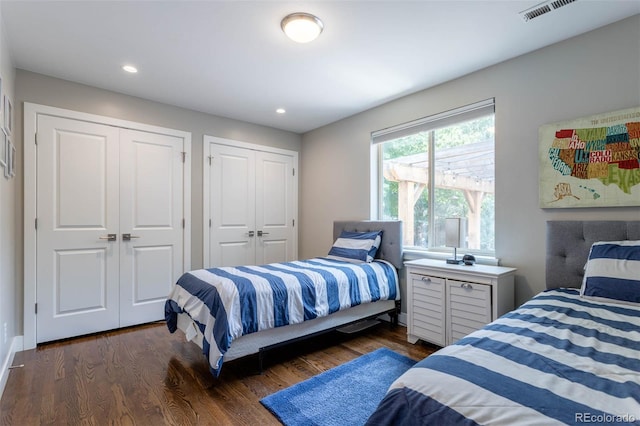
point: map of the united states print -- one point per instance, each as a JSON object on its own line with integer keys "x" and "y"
{"x": 583, "y": 163}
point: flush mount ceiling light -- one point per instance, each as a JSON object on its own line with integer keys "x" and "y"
{"x": 130, "y": 68}
{"x": 302, "y": 27}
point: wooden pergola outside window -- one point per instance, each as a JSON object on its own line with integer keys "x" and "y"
{"x": 468, "y": 168}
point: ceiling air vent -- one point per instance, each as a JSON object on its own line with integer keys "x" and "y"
{"x": 542, "y": 8}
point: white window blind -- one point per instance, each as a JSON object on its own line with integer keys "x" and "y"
{"x": 436, "y": 121}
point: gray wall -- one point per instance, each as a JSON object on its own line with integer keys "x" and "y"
{"x": 40, "y": 89}
{"x": 593, "y": 73}
{"x": 9, "y": 316}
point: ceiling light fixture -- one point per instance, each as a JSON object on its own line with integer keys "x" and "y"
{"x": 302, "y": 27}
{"x": 130, "y": 68}
{"x": 281, "y": 111}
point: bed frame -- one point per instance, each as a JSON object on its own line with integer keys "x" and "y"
{"x": 258, "y": 343}
{"x": 569, "y": 242}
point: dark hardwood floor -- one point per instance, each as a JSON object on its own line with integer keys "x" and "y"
{"x": 146, "y": 376}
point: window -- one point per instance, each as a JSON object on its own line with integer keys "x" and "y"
{"x": 438, "y": 167}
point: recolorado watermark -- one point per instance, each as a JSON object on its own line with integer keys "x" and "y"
{"x": 604, "y": 418}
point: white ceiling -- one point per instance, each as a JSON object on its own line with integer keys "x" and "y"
{"x": 230, "y": 58}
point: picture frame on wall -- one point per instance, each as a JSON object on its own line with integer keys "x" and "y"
{"x": 7, "y": 167}
{"x": 1, "y": 105}
{"x": 591, "y": 161}
{"x": 3, "y": 150}
{"x": 12, "y": 160}
{"x": 8, "y": 115}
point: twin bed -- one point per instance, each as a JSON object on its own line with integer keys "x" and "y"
{"x": 233, "y": 312}
{"x": 569, "y": 355}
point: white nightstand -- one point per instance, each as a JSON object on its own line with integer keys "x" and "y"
{"x": 446, "y": 302}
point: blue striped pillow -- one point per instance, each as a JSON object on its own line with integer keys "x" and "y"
{"x": 612, "y": 272}
{"x": 356, "y": 246}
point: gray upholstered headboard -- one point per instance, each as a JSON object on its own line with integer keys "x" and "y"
{"x": 391, "y": 244}
{"x": 569, "y": 242}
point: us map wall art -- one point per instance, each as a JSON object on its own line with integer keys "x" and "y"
{"x": 591, "y": 161}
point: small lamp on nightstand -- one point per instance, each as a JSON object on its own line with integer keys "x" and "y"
{"x": 455, "y": 230}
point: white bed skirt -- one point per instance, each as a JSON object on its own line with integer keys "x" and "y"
{"x": 252, "y": 343}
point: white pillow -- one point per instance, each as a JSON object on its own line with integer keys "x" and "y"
{"x": 612, "y": 272}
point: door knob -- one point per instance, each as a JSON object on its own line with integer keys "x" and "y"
{"x": 109, "y": 237}
{"x": 260, "y": 233}
{"x": 128, "y": 237}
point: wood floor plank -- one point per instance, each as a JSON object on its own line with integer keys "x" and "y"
{"x": 146, "y": 376}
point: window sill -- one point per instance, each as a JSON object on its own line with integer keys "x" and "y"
{"x": 409, "y": 254}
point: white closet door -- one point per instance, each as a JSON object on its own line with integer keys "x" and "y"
{"x": 274, "y": 208}
{"x": 77, "y": 207}
{"x": 151, "y": 213}
{"x": 231, "y": 206}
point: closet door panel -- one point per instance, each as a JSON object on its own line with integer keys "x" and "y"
{"x": 77, "y": 207}
{"x": 151, "y": 223}
{"x": 232, "y": 206}
{"x": 152, "y": 180}
{"x": 151, "y": 266}
{"x": 274, "y": 207}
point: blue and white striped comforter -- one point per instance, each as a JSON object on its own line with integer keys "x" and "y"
{"x": 558, "y": 359}
{"x": 229, "y": 302}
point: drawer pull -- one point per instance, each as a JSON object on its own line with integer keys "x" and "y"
{"x": 427, "y": 279}
{"x": 466, "y": 286}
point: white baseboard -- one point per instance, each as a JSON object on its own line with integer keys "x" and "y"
{"x": 15, "y": 346}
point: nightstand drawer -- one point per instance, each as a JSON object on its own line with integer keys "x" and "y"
{"x": 469, "y": 308}
{"x": 426, "y": 308}
{"x": 427, "y": 288}
{"x": 427, "y": 293}
{"x": 427, "y": 281}
{"x": 469, "y": 294}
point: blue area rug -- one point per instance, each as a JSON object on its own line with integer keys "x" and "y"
{"x": 345, "y": 395}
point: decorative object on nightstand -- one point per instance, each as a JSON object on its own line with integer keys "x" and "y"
{"x": 468, "y": 259}
{"x": 455, "y": 230}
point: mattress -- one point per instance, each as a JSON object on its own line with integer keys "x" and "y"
{"x": 558, "y": 359}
